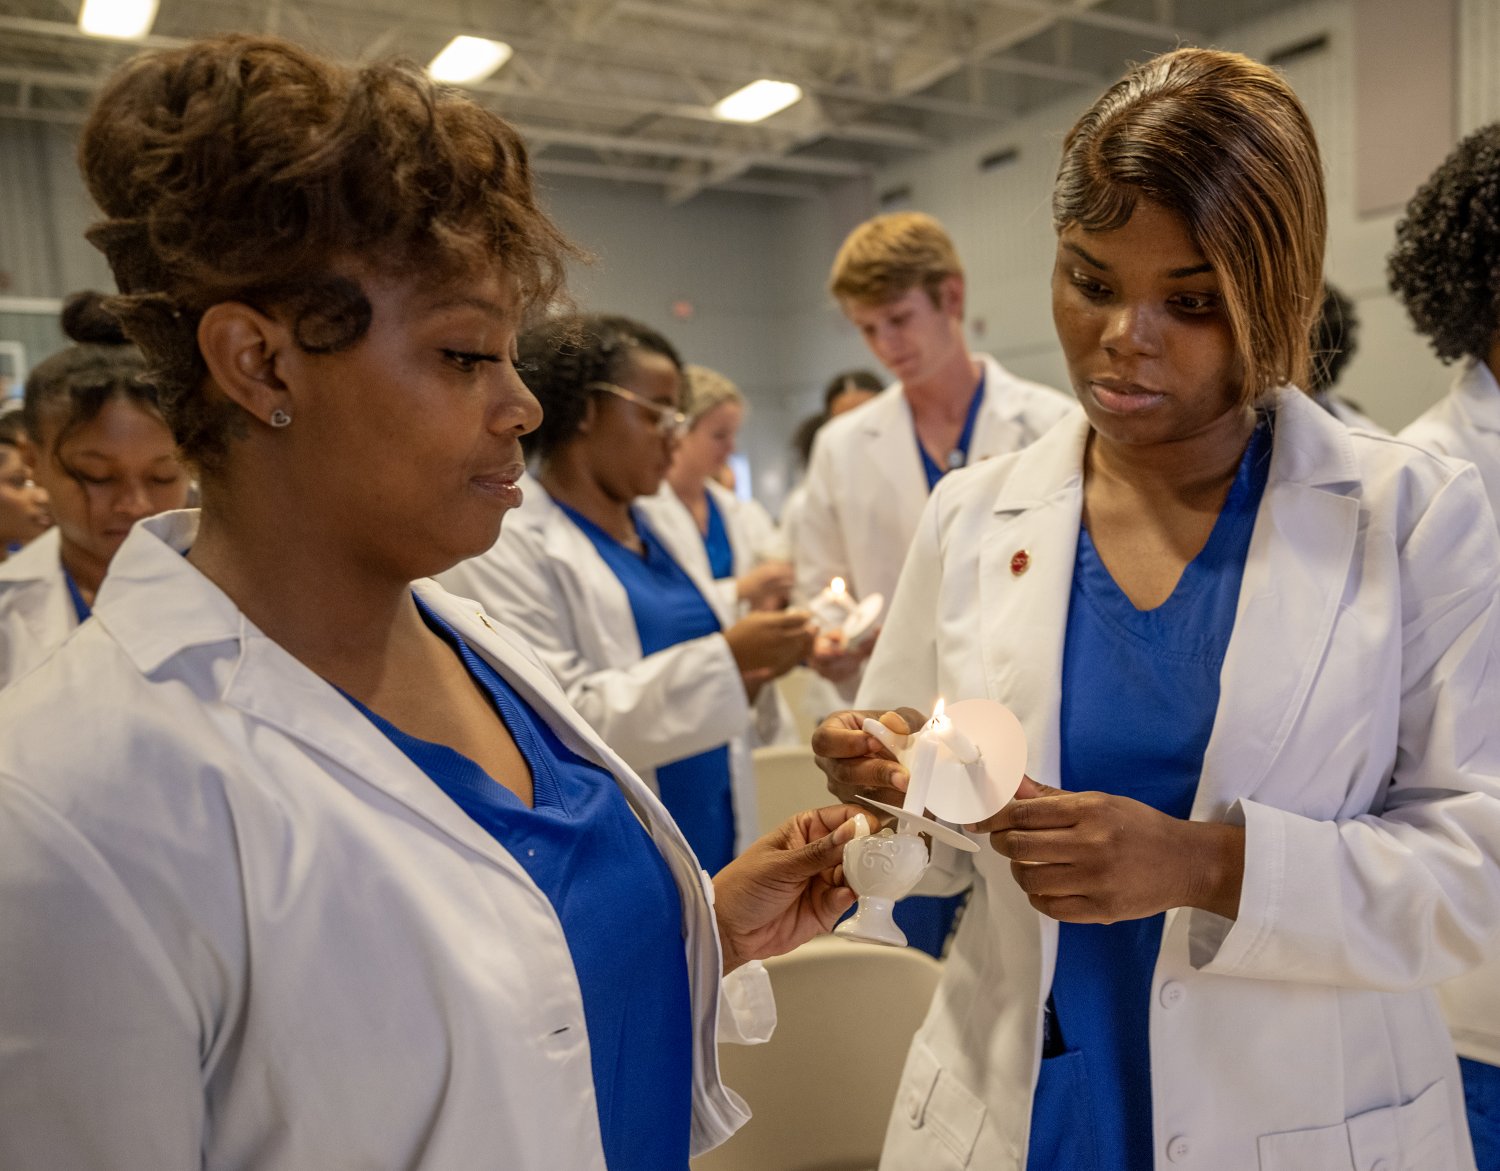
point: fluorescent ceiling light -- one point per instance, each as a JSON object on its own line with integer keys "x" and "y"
{"x": 469, "y": 59}
{"x": 125, "y": 19}
{"x": 757, "y": 101}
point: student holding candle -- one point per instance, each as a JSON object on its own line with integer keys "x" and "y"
{"x": 1257, "y": 659}
{"x": 615, "y": 598}
{"x": 304, "y": 862}
{"x": 899, "y": 280}
{"x": 736, "y": 554}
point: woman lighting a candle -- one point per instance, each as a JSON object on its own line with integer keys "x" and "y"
{"x": 305, "y": 862}
{"x": 1257, "y": 658}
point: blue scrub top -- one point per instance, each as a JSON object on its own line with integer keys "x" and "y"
{"x": 80, "y": 607}
{"x": 1140, "y": 689}
{"x": 716, "y": 542}
{"x": 585, "y": 849}
{"x": 959, "y": 456}
{"x": 668, "y": 609}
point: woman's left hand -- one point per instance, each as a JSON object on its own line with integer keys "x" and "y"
{"x": 787, "y": 887}
{"x": 1100, "y": 858}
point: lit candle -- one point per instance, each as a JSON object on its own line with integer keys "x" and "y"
{"x": 943, "y": 729}
{"x": 833, "y": 605}
{"x": 924, "y": 756}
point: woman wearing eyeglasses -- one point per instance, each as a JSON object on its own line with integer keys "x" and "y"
{"x": 648, "y": 651}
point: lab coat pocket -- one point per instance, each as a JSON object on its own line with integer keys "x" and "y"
{"x": 941, "y": 1110}
{"x": 1417, "y": 1136}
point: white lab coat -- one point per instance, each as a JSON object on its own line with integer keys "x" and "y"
{"x": 1356, "y": 742}
{"x": 242, "y": 930}
{"x": 545, "y": 580}
{"x": 1465, "y": 424}
{"x": 866, "y": 487}
{"x": 36, "y": 611}
{"x": 671, "y": 519}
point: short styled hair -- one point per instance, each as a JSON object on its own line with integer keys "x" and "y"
{"x": 247, "y": 169}
{"x": 559, "y": 358}
{"x": 707, "y": 389}
{"x": 1446, "y": 263}
{"x": 888, "y": 256}
{"x": 67, "y": 390}
{"x": 1222, "y": 141}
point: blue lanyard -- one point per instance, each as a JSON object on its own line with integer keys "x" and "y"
{"x": 80, "y": 607}
{"x": 959, "y": 456}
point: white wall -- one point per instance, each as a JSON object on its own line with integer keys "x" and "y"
{"x": 1002, "y": 226}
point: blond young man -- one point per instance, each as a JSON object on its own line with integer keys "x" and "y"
{"x": 898, "y": 279}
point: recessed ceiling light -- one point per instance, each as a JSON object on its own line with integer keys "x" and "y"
{"x": 469, "y": 59}
{"x": 757, "y": 101}
{"x": 125, "y": 19}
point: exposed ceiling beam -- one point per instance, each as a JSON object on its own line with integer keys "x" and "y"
{"x": 541, "y": 136}
{"x": 1106, "y": 20}
{"x": 660, "y": 177}
{"x": 1041, "y": 69}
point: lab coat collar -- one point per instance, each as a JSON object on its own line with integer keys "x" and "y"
{"x": 1478, "y": 395}
{"x": 40, "y": 560}
{"x": 1298, "y": 563}
{"x": 156, "y": 605}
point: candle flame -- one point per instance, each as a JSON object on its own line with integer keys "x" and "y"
{"x": 837, "y": 585}
{"x": 937, "y": 712}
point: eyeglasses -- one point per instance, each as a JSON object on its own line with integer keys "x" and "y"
{"x": 669, "y": 420}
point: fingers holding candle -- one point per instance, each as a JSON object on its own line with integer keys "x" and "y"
{"x": 857, "y": 762}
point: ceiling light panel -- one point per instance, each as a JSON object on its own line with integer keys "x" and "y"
{"x": 123, "y": 19}
{"x": 469, "y": 59}
{"x": 757, "y": 101}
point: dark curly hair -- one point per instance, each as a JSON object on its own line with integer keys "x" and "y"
{"x": 67, "y": 390}
{"x": 562, "y": 356}
{"x": 246, "y": 169}
{"x": 1446, "y": 263}
{"x": 1335, "y": 337}
{"x": 1222, "y": 141}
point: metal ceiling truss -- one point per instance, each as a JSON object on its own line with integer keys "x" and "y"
{"x": 622, "y": 90}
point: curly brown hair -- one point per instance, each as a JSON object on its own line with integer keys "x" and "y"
{"x": 246, "y": 169}
{"x": 1445, "y": 266}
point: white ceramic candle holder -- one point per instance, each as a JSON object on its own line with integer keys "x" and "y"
{"x": 880, "y": 868}
{"x": 963, "y": 769}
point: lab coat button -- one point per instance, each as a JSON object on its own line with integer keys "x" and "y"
{"x": 1171, "y": 994}
{"x": 914, "y": 1109}
{"x": 1179, "y": 1149}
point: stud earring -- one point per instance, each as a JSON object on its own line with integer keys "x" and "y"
{"x": 280, "y": 418}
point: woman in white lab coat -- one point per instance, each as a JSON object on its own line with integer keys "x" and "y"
{"x": 614, "y": 600}
{"x": 1444, "y": 267}
{"x": 736, "y": 554}
{"x": 306, "y": 863}
{"x": 1262, "y": 654}
{"x": 98, "y": 447}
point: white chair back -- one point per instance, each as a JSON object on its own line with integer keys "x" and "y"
{"x": 823, "y": 1087}
{"x": 787, "y": 781}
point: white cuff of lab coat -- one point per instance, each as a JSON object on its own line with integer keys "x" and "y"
{"x": 747, "y": 1007}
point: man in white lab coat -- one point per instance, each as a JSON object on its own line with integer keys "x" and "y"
{"x": 899, "y": 280}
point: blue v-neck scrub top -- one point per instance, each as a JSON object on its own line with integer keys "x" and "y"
{"x": 716, "y": 542}
{"x": 668, "y": 609}
{"x": 585, "y": 849}
{"x": 1140, "y": 689}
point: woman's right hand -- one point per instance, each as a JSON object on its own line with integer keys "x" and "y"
{"x": 767, "y": 586}
{"x": 770, "y": 640}
{"x": 856, "y": 763}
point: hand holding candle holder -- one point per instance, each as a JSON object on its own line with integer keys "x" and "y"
{"x": 838, "y": 614}
{"x": 965, "y": 764}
